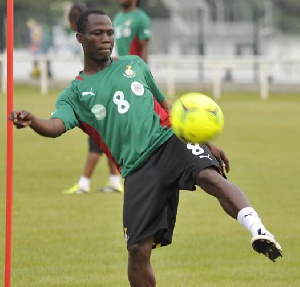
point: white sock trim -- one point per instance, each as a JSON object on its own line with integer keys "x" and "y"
{"x": 115, "y": 180}
{"x": 249, "y": 218}
{"x": 245, "y": 212}
{"x": 84, "y": 183}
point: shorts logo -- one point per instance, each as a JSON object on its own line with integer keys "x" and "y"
{"x": 207, "y": 156}
{"x": 125, "y": 234}
{"x": 129, "y": 73}
{"x": 137, "y": 88}
{"x": 99, "y": 111}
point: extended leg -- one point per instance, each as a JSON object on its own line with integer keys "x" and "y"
{"x": 235, "y": 203}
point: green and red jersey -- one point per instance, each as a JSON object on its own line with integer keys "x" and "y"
{"x": 119, "y": 108}
{"x": 130, "y": 27}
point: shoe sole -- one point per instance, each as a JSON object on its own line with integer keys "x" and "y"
{"x": 267, "y": 245}
{"x": 109, "y": 190}
{"x": 106, "y": 189}
{"x": 79, "y": 192}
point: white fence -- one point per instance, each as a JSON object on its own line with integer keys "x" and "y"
{"x": 174, "y": 71}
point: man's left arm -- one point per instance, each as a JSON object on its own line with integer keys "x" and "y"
{"x": 144, "y": 48}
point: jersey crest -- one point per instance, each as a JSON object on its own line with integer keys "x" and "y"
{"x": 129, "y": 73}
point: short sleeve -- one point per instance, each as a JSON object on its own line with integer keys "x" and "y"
{"x": 64, "y": 110}
{"x": 144, "y": 31}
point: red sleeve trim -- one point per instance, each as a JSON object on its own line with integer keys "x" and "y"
{"x": 162, "y": 113}
{"x": 79, "y": 78}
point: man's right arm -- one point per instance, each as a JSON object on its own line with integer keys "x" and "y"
{"x": 53, "y": 127}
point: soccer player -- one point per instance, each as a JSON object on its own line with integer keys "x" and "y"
{"x": 94, "y": 153}
{"x": 132, "y": 30}
{"x": 117, "y": 102}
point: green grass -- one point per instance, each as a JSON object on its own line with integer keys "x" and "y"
{"x": 77, "y": 240}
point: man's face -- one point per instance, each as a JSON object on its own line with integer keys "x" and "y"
{"x": 98, "y": 37}
{"x": 126, "y": 3}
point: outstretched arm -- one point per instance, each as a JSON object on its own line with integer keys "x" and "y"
{"x": 53, "y": 127}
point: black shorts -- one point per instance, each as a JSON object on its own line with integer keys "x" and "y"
{"x": 152, "y": 191}
{"x": 93, "y": 147}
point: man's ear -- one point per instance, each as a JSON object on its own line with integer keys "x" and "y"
{"x": 79, "y": 37}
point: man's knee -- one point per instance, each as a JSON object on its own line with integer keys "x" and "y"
{"x": 211, "y": 181}
{"x": 140, "y": 272}
{"x": 140, "y": 251}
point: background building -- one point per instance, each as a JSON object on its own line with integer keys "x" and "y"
{"x": 228, "y": 34}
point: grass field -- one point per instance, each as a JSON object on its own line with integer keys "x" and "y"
{"x": 77, "y": 240}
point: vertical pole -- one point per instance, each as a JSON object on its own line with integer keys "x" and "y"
{"x": 201, "y": 40}
{"x": 171, "y": 89}
{"x": 44, "y": 75}
{"x": 256, "y": 39}
{"x": 9, "y": 142}
{"x": 264, "y": 81}
{"x": 216, "y": 80}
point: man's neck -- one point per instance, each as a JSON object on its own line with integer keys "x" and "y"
{"x": 129, "y": 9}
{"x": 94, "y": 67}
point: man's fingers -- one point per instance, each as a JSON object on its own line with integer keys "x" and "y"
{"x": 225, "y": 161}
{"x": 19, "y": 126}
{"x": 19, "y": 119}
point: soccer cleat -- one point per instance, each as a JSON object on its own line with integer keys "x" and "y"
{"x": 111, "y": 189}
{"x": 75, "y": 189}
{"x": 267, "y": 245}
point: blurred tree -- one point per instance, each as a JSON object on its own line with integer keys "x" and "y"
{"x": 110, "y": 7}
{"x": 287, "y": 15}
{"x": 285, "y": 12}
{"x": 155, "y": 8}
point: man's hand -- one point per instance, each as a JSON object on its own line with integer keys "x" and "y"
{"x": 21, "y": 119}
{"x": 220, "y": 156}
{"x": 53, "y": 127}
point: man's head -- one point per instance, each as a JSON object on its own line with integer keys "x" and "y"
{"x": 74, "y": 13}
{"x": 129, "y": 4}
{"x": 96, "y": 34}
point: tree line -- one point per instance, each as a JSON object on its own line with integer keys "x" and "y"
{"x": 285, "y": 12}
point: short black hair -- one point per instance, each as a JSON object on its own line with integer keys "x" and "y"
{"x": 75, "y": 10}
{"x": 83, "y": 18}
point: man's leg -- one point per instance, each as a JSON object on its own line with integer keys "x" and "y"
{"x": 235, "y": 203}
{"x": 83, "y": 185}
{"x": 140, "y": 271}
{"x": 91, "y": 163}
{"x": 114, "y": 181}
{"x": 231, "y": 198}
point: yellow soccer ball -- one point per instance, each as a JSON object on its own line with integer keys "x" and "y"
{"x": 196, "y": 118}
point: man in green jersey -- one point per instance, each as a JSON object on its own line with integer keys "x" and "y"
{"x": 132, "y": 30}
{"x": 117, "y": 102}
